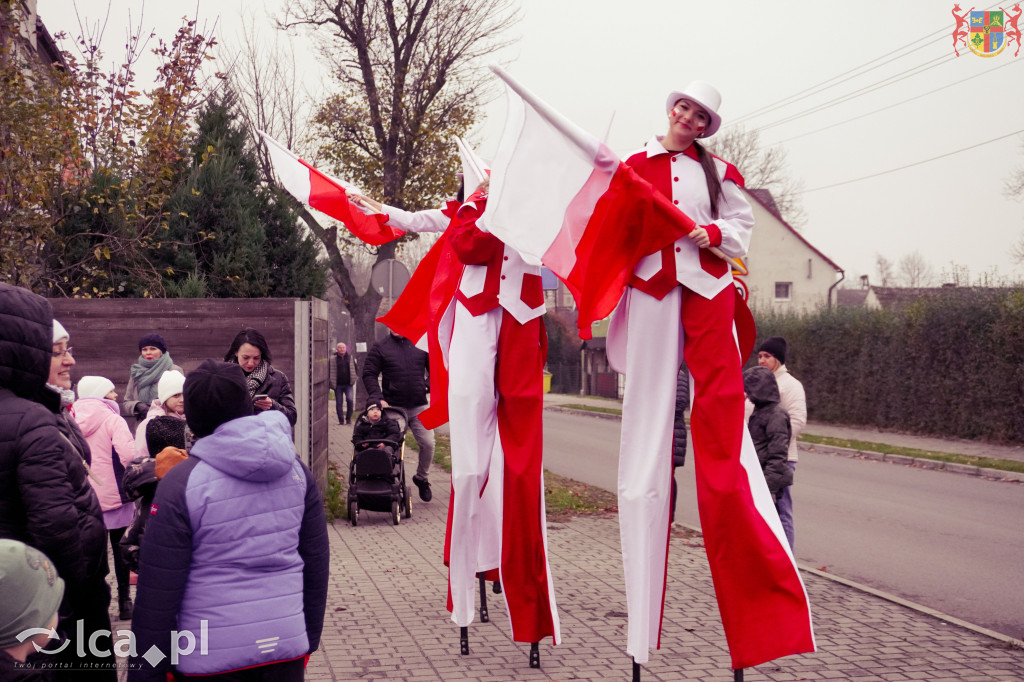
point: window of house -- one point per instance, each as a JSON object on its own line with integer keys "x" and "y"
{"x": 783, "y": 291}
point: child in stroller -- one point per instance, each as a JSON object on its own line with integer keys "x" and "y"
{"x": 376, "y": 429}
{"x": 377, "y": 472}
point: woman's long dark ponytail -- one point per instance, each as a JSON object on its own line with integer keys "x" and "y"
{"x": 707, "y": 162}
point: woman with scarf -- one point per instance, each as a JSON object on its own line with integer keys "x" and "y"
{"x": 144, "y": 376}
{"x": 268, "y": 387}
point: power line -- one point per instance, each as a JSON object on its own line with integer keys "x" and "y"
{"x": 896, "y": 104}
{"x": 895, "y": 78}
{"x": 825, "y": 85}
{"x": 911, "y": 165}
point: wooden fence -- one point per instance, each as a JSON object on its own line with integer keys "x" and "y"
{"x": 105, "y": 335}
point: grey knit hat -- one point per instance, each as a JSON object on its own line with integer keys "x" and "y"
{"x": 30, "y": 591}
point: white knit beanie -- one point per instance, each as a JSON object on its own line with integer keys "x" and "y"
{"x": 59, "y": 332}
{"x": 172, "y": 382}
{"x": 94, "y": 387}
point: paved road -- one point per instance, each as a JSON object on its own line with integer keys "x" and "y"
{"x": 947, "y": 541}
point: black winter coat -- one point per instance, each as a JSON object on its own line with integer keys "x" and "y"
{"x": 385, "y": 429}
{"x": 277, "y": 387}
{"x": 404, "y": 371}
{"x": 140, "y": 485}
{"x": 769, "y": 428}
{"x": 46, "y": 500}
{"x": 679, "y": 427}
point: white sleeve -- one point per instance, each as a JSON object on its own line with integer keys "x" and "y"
{"x": 432, "y": 220}
{"x": 735, "y": 220}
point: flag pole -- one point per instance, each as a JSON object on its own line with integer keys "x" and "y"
{"x": 347, "y": 186}
{"x": 587, "y": 143}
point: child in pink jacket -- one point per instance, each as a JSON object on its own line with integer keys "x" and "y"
{"x": 113, "y": 448}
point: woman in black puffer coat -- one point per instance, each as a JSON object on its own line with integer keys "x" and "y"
{"x": 45, "y": 497}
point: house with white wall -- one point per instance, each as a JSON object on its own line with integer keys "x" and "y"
{"x": 787, "y": 273}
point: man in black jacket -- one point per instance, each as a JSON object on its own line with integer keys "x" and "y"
{"x": 45, "y": 497}
{"x": 404, "y": 374}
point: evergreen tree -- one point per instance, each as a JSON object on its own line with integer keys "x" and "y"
{"x": 228, "y": 230}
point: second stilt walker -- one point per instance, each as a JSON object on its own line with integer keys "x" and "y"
{"x": 480, "y": 305}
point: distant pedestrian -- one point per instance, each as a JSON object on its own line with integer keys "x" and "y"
{"x": 268, "y": 387}
{"x": 772, "y": 354}
{"x": 144, "y": 376}
{"x": 769, "y": 429}
{"x": 45, "y": 499}
{"x": 344, "y": 380}
{"x": 401, "y": 368}
{"x": 236, "y": 545}
{"x": 113, "y": 448}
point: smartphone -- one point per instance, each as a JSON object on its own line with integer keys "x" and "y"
{"x": 259, "y": 396}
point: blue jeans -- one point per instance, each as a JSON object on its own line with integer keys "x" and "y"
{"x": 343, "y": 392}
{"x": 785, "y": 507}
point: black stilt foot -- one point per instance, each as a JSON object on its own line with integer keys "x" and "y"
{"x": 484, "y": 617}
{"x": 737, "y": 675}
{"x": 636, "y": 671}
{"x": 534, "y": 655}
{"x": 464, "y": 641}
{"x": 496, "y": 587}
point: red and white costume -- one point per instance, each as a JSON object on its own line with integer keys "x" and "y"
{"x": 494, "y": 345}
{"x": 680, "y": 303}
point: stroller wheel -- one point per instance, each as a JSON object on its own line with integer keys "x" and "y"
{"x": 408, "y": 502}
{"x": 395, "y": 515}
{"x": 353, "y": 512}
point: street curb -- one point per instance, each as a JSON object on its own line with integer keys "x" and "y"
{"x": 919, "y": 462}
{"x": 920, "y": 608}
{"x": 906, "y": 460}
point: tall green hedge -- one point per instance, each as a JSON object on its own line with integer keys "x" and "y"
{"x": 948, "y": 365}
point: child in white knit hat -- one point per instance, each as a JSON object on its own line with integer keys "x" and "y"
{"x": 169, "y": 403}
{"x": 113, "y": 448}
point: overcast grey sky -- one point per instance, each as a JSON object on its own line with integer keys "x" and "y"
{"x": 598, "y": 61}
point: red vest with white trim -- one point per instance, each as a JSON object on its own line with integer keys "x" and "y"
{"x": 680, "y": 177}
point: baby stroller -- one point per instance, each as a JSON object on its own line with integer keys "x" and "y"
{"x": 376, "y": 480}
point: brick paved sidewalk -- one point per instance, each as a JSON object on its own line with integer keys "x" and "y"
{"x": 386, "y": 617}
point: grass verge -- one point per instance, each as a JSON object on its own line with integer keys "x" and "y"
{"x": 970, "y": 460}
{"x": 334, "y": 496}
{"x": 986, "y": 462}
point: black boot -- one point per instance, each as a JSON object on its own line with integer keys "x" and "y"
{"x": 124, "y": 606}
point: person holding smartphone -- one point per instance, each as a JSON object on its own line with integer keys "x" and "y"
{"x": 268, "y": 387}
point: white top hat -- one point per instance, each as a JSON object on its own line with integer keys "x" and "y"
{"x": 706, "y": 97}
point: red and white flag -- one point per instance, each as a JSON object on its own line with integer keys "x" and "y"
{"x": 327, "y": 195}
{"x": 563, "y": 199}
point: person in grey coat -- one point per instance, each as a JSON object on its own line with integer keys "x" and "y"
{"x": 769, "y": 428}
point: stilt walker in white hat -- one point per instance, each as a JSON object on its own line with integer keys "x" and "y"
{"x": 680, "y": 303}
